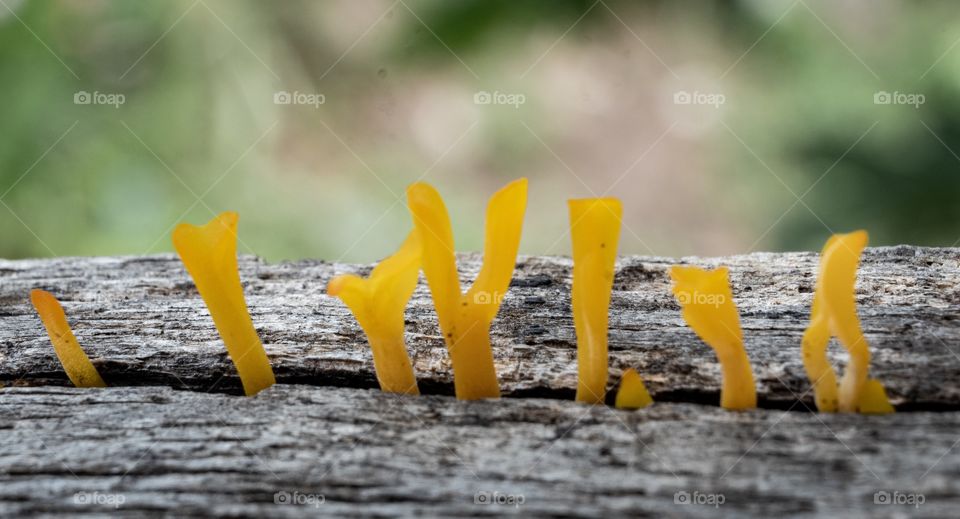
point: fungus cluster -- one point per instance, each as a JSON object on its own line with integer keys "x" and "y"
{"x": 378, "y": 302}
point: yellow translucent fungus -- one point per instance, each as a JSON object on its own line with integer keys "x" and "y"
{"x": 834, "y": 313}
{"x": 209, "y": 253}
{"x": 465, "y": 318}
{"x": 633, "y": 393}
{"x": 873, "y": 398}
{"x": 75, "y": 362}
{"x": 378, "y": 303}
{"x": 595, "y": 232}
{"x": 708, "y": 308}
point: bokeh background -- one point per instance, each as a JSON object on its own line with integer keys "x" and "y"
{"x": 725, "y": 127}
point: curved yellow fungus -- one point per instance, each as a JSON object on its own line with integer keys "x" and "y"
{"x": 708, "y": 308}
{"x": 633, "y": 393}
{"x": 834, "y": 313}
{"x": 595, "y": 232}
{"x": 378, "y": 303}
{"x": 209, "y": 252}
{"x": 75, "y": 362}
{"x": 465, "y": 318}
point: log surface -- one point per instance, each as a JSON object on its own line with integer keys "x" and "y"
{"x": 142, "y": 322}
{"x": 343, "y": 452}
{"x": 323, "y": 435}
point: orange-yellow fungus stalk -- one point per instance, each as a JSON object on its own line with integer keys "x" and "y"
{"x": 708, "y": 308}
{"x": 834, "y": 313}
{"x": 633, "y": 393}
{"x": 465, "y": 318}
{"x": 75, "y": 362}
{"x": 209, "y": 252}
{"x": 378, "y": 303}
{"x": 595, "y": 232}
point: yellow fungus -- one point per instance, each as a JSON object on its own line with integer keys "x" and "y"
{"x": 378, "y": 303}
{"x": 595, "y": 232}
{"x": 834, "y": 313}
{"x": 209, "y": 252}
{"x": 465, "y": 318}
{"x": 873, "y": 398}
{"x": 633, "y": 393}
{"x": 708, "y": 308}
{"x": 75, "y": 362}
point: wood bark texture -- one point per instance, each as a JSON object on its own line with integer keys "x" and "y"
{"x": 171, "y": 436}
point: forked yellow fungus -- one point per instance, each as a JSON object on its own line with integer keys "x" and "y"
{"x": 708, "y": 308}
{"x": 834, "y": 313}
{"x": 209, "y": 253}
{"x": 75, "y": 362}
{"x": 595, "y": 232}
{"x": 378, "y": 303}
{"x": 465, "y": 318}
{"x": 633, "y": 393}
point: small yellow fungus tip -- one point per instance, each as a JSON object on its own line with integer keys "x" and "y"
{"x": 465, "y": 319}
{"x": 209, "y": 252}
{"x": 75, "y": 362}
{"x": 834, "y": 314}
{"x": 378, "y": 303}
{"x": 873, "y": 398}
{"x": 707, "y": 303}
{"x": 633, "y": 393}
{"x": 595, "y": 233}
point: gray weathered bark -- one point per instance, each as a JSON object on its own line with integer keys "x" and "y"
{"x": 143, "y": 322}
{"x": 367, "y": 453}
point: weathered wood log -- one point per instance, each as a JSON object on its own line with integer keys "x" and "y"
{"x": 143, "y": 323}
{"x": 321, "y": 435}
{"x": 343, "y": 452}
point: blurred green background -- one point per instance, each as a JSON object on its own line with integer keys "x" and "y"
{"x": 725, "y": 127}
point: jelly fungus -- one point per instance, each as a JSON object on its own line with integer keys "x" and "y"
{"x": 465, "y": 318}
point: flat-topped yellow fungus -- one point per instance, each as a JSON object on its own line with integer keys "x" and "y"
{"x": 72, "y": 357}
{"x": 633, "y": 393}
{"x": 708, "y": 308}
{"x": 595, "y": 232}
{"x": 834, "y": 313}
{"x": 378, "y": 303}
{"x": 209, "y": 252}
{"x": 465, "y": 318}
